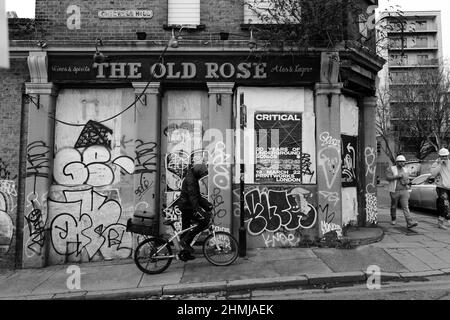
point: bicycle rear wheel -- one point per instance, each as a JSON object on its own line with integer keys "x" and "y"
{"x": 220, "y": 248}
{"x": 150, "y": 261}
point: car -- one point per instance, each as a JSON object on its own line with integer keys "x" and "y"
{"x": 423, "y": 192}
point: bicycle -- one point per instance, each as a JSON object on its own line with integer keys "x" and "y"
{"x": 156, "y": 249}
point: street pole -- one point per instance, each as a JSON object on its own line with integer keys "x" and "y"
{"x": 242, "y": 232}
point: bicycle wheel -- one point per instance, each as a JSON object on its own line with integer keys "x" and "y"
{"x": 148, "y": 260}
{"x": 220, "y": 248}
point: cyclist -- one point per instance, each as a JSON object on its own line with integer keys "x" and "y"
{"x": 193, "y": 207}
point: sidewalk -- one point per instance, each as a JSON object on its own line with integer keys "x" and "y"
{"x": 402, "y": 254}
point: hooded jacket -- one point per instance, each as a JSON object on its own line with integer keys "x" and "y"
{"x": 190, "y": 197}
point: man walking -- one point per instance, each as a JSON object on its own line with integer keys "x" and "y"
{"x": 441, "y": 171}
{"x": 399, "y": 190}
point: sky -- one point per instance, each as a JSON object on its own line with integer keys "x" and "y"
{"x": 25, "y": 9}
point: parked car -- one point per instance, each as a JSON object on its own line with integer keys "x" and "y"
{"x": 423, "y": 194}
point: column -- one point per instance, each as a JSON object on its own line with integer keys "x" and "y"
{"x": 329, "y": 160}
{"x": 368, "y": 176}
{"x": 40, "y": 125}
{"x": 219, "y": 139}
{"x": 146, "y": 175}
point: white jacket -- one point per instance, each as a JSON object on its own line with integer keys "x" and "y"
{"x": 393, "y": 183}
{"x": 442, "y": 173}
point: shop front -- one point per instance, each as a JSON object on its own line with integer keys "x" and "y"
{"x": 113, "y": 140}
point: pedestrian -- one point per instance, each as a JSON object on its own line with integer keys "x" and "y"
{"x": 399, "y": 189}
{"x": 193, "y": 206}
{"x": 440, "y": 170}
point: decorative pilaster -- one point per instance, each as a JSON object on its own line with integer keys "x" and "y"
{"x": 147, "y": 153}
{"x": 220, "y": 147}
{"x": 329, "y": 160}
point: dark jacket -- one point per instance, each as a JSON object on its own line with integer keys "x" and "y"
{"x": 190, "y": 197}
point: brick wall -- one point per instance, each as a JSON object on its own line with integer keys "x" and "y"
{"x": 52, "y": 16}
{"x": 12, "y": 84}
{"x": 216, "y": 16}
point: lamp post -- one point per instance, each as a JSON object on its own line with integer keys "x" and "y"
{"x": 242, "y": 232}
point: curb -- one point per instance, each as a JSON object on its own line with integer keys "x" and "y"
{"x": 232, "y": 286}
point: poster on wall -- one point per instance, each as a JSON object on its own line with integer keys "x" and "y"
{"x": 349, "y": 145}
{"x": 278, "y": 147}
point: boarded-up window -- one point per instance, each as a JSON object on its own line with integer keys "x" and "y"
{"x": 184, "y": 12}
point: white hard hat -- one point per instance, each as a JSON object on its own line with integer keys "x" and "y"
{"x": 444, "y": 152}
{"x": 400, "y": 158}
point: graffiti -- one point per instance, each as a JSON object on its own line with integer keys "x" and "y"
{"x": 146, "y": 156}
{"x": 329, "y": 227}
{"x": 330, "y": 196}
{"x": 87, "y": 220}
{"x": 371, "y": 199}
{"x": 348, "y": 161}
{"x": 8, "y": 187}
{"x": 36, "y": 227}
{"x": 91, "y": 167}
{"x": 330, "y": 161}
{"x": 219, "y": 160}
{"x": 270, "y": 210}
{"x": 327, "y": 140}
{"x": 371, "y": 208}
{"x": 173, "y": 213}
{"x": 38, "y": 164}
{"x": 177, "y": 165}
{"x": 5, "y": 174}
{"x": 36, "y": 221}
{"x": 279, "y": 239}
{"x": 327, "y": 215}
{"x": 144, "y": 187}
{"x": 123, "y": 143}
{"x": 94, "y": 134}
{"x": 217, "y": 201}
{"x": 6, "y": 225}
{"x": 370, "y": 158}
{"x": 172, "y": 131}
{"x": 306, "y": 166}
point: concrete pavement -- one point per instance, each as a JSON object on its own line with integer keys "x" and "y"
{"x": 401, "y": 255}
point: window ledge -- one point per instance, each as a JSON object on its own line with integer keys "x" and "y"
{"x": 185, "y": 27}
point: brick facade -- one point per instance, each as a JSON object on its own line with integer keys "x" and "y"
{"x": 11, "y": 100}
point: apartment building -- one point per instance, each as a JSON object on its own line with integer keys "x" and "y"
{"x": 411, "y": 41}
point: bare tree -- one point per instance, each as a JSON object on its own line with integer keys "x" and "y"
{"x": 418, "y": 107}
{"x": 309, "y": 23}
{"x": 389, "y": 137}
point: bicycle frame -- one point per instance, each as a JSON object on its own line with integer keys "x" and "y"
{"x": 176, "y": 241}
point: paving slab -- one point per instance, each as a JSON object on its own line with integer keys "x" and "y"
{"x": 240, "y": 269}
{"x": 93, "y": 278}
{"x": 24, "y": 281}
{"x": 170, "y": 276}
{"x": 359, "y": 259}
{"x": 428, "y": 258}
{"x": 265, "y": 254}
{"x": 408, "y": 260}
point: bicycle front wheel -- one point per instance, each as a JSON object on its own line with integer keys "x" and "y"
{"x": 151, "y": 255}
{"x": 220, "y": 248}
